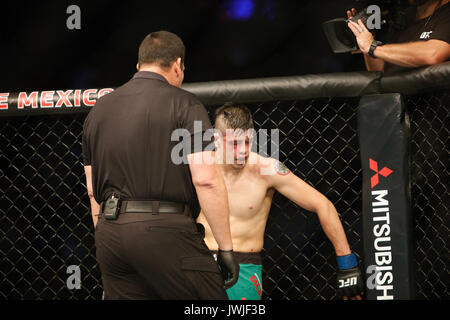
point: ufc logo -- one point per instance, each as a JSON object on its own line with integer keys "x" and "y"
{"x": 385, "y": 172}
{"x": 426, "y": 35}
{"x": 348, "y": 282}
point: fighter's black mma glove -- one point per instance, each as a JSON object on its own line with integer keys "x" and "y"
{"x": 349, "y": 281}
{"x": 229, "y": 267}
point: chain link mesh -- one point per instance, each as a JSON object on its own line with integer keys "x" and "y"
{"x": 318, "y": 143}
{"x": 45, "y": 220}
{"x": 430, "y": 125}
{"x": 46, "y": 224}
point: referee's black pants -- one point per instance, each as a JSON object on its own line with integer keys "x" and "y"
{"x": 161, "y": 256}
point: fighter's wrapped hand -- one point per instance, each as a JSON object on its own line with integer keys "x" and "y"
{"x": 349, "y": 281}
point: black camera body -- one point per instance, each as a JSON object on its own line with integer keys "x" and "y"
{"x": 363, "y": 15}
{"x": 339, "y": 35}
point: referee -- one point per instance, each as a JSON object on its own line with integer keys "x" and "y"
{"x": 144, "y": 205}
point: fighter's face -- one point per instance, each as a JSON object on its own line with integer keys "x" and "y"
{"x": 236, "y": 147}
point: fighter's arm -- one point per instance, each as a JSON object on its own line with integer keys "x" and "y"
{"x": 95, "y": 207}
{"x": 298, "y": 191}
{"x": 213, "y": 198}
{"x": 212, "y": 195}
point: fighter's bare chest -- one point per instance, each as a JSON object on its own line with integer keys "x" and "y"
{"x": 246, "y": 195}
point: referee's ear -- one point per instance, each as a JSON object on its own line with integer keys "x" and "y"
{"x": 179, "y": 66}
{"x": 178, "y": 70}
{"x": 137, "y": 66}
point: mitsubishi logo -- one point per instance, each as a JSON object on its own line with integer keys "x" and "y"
{"x": 373, "y": 165}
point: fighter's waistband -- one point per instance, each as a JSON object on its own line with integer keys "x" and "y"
{"x": 246, "y": 257}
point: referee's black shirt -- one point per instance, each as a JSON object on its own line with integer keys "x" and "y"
{"x": 127, "y": 141}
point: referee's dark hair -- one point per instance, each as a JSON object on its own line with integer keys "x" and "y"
{"x": 162, "y": 48}
{"x": 233, "y": 116}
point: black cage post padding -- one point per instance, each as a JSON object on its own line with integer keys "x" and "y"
{"x": 416, "y": 81}
{"x": 384, "y": 139}
{"x": 45, "y": 222}
{"x": 304, "y": 87}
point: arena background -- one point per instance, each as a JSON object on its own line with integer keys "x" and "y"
{"x": 45, "y": 222}
{"x": 227, "y": 39}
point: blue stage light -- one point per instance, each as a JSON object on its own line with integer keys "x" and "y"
{"x": 240, "y": 9}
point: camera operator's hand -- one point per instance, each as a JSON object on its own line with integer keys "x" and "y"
{"x": 364, "y": 37}
{"x": 351, "y": 13}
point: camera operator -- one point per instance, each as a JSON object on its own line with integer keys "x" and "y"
{"x": 425, "y": 41}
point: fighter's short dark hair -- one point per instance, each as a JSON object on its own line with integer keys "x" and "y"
{"x": 233, "y": 116}
{"x": 162, "y": 48}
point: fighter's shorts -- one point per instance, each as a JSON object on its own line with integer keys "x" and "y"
{"x": 249, "y": 285}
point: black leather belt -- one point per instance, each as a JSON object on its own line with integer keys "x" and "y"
{"x": 152, "y": 206}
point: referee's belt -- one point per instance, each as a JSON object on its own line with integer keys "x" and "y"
{"x": 152, "y": 206}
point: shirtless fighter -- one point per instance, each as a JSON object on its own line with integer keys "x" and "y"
{"x": 250, "y": 192}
